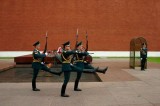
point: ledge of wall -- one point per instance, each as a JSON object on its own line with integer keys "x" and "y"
{"x": 96, "y": 53}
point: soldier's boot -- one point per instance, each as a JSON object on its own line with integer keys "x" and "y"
{"x": 142, "y": 68}
{"x": 76, "y": 86}
{"x": 36, "y": 89}
{"x": 102, "y": 70}
{"x": 34, "y": 86}
{"x": 63, "y": 91}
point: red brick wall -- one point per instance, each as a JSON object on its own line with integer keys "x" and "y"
{"x": 111, "y": 24}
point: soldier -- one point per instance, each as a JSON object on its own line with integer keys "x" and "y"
{"x": 37, "y": 65}
{"x": 67, "y": 66}
{"x": 81, "y": 64}
{"x": 143, "y": 55}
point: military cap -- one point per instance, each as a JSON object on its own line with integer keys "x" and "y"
{"x": 66, "y": 43}
{"x": 37, "y": 43}
{"x": 79, "y": 43}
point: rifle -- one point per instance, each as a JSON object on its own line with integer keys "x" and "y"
{"x": 86, "y": 42}
{"x": 76, "y": 40}
{"x": 45, "y": 48}
{"x": 75, "y": 46}
{"x": 88, "y": 58}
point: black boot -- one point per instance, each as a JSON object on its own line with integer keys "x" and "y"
{"x": 34, "y": 86}
{"x": 76, "y": 86}
{"x": 36, "y": 89}
{"x": 63, "y": 91}
{"x": 102, "y": 70}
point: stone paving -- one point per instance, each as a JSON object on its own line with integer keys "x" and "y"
{"x": 121, "y": 86}
{"x": 6, "y": 64}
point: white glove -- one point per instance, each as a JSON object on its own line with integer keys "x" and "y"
{"x": 76, "y": 51}
{"x": 46, "y": 53}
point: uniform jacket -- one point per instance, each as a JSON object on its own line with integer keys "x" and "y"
{"x": 37, "y": 58}
{"x": 66, "y": 60}
{"x": 143, "y": 53}
{"x": 80, "y": 59}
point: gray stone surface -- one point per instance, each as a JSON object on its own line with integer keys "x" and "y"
{"x": 125, "y": 93}
{"x": 142, "y": 92}
{"x": 6, "y": 64}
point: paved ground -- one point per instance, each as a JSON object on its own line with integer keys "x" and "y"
{"x": 121, "y": 86}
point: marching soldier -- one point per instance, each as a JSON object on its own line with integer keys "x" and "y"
{"x": 37, "y": 65}
{"x": 81, "y": 64}
{"x": 143, "y": 55}
{"x": 67, "y": 66}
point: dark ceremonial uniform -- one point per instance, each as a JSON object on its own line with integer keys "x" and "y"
{"x": 67, "y": 67}
{"x": 79, "y": 63}
{"x": 143, "y": 55}
{"x": 88, "y": 66}
{"x": 37, "y": 65}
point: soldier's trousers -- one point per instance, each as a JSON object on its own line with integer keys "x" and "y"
{"x": 36, "y": 71}
{"x": 66, "y": 80}
{"x": 79, "y": 71}
{"x": 88, "y": 66}
{"x": 67, "y": 77}
{"x": 143, "y": 62}
{"x": 79, "y": 74}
